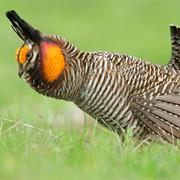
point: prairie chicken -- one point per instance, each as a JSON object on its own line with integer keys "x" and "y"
{"x": 118, "y": 90}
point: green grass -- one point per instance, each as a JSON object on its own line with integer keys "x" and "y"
{"x": 31, "y": 152}
{"x": 45, "y": 138}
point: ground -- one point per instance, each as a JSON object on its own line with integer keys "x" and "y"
{"x": 50, "y": 139}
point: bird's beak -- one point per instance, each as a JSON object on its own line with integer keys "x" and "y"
{"x": 20, "y": 71}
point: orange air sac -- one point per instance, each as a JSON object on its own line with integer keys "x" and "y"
{"x": 52, "y": 60}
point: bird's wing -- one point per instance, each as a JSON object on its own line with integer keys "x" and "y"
{"x": 161, "y": 115}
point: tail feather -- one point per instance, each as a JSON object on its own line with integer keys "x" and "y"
{"x": 22, "y": 28}
{"x": 175, "y": 39}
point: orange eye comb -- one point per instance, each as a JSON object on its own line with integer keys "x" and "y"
{"x": 53, "y": 61}
{"x": 21, "y": 54}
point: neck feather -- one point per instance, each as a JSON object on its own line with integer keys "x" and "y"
{"x": 68, "y": 85}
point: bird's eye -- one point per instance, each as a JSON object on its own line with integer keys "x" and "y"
{"x": 29, "y": 55}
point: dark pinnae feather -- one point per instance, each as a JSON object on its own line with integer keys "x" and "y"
{"x": 22, "y": 28}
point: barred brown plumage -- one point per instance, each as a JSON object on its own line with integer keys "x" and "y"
{"x": 118, "y": 90}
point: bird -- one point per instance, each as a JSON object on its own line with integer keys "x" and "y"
{"x": 119, "y": 91}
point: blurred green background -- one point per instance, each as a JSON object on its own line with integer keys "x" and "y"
{"x": 139, "y": 28}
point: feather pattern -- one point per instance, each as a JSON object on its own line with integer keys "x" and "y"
{"x": 175, "y": 38}
{"x": 118, "y": 90}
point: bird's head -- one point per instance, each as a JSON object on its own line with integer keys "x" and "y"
{"x": 38, "y": 52}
